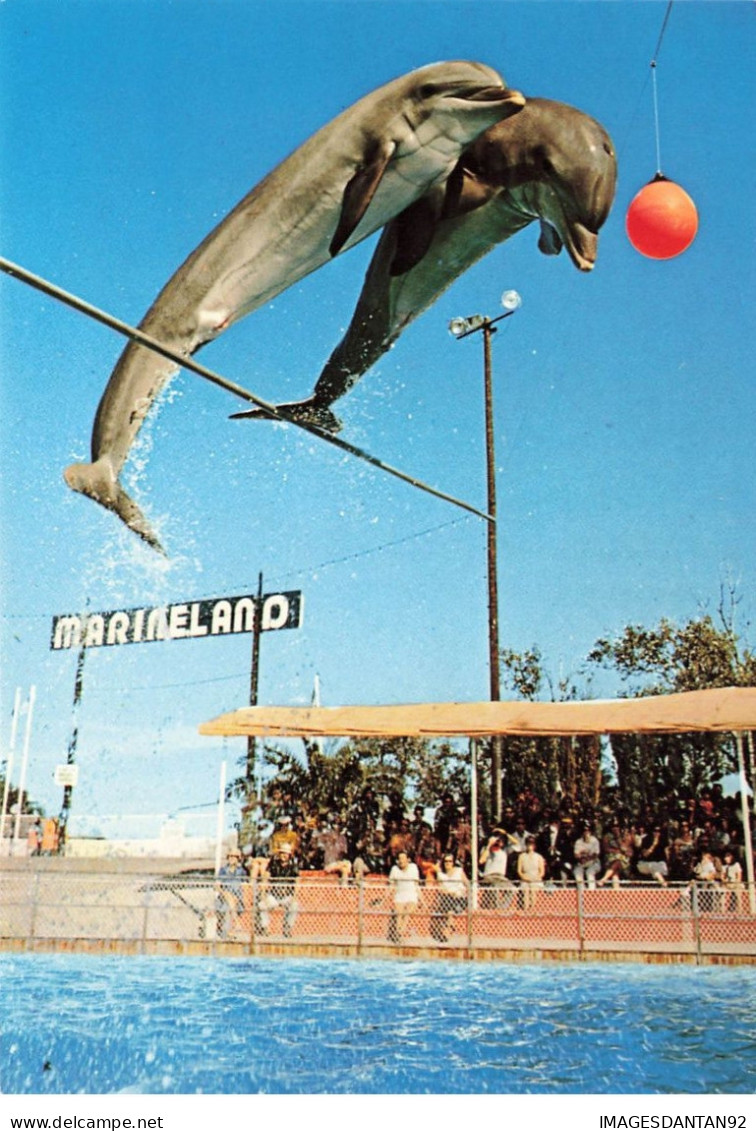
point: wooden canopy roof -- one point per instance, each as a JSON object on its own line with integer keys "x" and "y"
{"x": 715, "y": 709}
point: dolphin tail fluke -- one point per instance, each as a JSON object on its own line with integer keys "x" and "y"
{"x": 98, "y": 482}
{"x": 302, "y": 412}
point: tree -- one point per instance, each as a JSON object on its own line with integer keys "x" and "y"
{"x": 550, "y": 767}
{"x": 333, "y": 777}
{"x": 651, "y": 769}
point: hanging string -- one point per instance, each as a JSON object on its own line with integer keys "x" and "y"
{"x": 659, "y": 174}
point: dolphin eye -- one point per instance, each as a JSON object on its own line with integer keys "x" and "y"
{"x": 428, "y": 89}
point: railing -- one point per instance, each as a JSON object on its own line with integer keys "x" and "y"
{"x": 66, "y": 908}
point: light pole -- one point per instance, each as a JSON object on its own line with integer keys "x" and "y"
{"x": 463, "y": 328}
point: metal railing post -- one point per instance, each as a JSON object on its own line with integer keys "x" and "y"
{"x": 472, "y": 902}
{"x": 145, "y": 917}
{"x": 580, "y": 919}
{"x": 255, "y": 911}
{"x": 34, "y": 906}
{"x": 696, "y": 912}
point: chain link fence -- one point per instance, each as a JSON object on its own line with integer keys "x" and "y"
{"x": 65, "y": 907}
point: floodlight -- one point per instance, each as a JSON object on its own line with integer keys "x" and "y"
{"x": 511, "y": 300}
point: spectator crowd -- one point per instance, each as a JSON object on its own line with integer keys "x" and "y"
{"x": 697, "y": 838}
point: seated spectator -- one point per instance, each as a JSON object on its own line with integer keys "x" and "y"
{"x": 445, "y": 821}
{"x": 652, "y": 855}
{"x": 707, "y": 874}
{"x": 278, "y": 889}
{"x": 332, "y": 842}
{"x": 460, "y": 841}
{"x": 617, "y": 850}
{"x": 718, "y": 835}
{"x": 418, "y": 824}
{"x": 399, "y": 838}
{"x": 229, "y": 894}
{"x": 682, "y": 854}
{"x": 394, "y": 813}
{"x": 531, "y": 869}
{"x": 516, "y": 842}
{"x": 405, "y": 881}
{"x": 587, "y": 854}
{"x": 362, "y": 816}
{"x": 370, "y": 850}
{"x": 284, "y": 835}
{"x": 555, "y": 845}
{"x": 452, "y": 895}
{"x": 426, "y": 852}
{"x": 732, "y": 880}
{"x": 493, "y": 860}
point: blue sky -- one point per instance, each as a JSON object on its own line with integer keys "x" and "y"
{"x": 624, "y": 399}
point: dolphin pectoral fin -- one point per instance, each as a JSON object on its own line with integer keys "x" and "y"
{"x": 358, "y": 193}
{"x": 414, "y": 230}
{"x": 302, "y": 412}
{"x": 549, "y": 241}
{"x": 97, "y": 481}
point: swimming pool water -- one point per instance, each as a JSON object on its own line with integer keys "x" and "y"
{"x": 76, "y": 1023}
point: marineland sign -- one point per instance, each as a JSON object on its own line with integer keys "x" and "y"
{"x": 217, "y": 616}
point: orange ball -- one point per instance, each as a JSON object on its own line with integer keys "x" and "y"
{"x": 662, "y": 220}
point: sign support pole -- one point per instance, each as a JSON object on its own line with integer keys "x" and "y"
{"x": 73, "y": 742}
{"x": 221, "y": 811}
{"x": 254, "y": 683}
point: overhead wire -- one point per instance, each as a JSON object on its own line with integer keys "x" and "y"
{"x": 642, "y": 92}
{"x": 657, "y": 132}
{"x": 302, "y": 571}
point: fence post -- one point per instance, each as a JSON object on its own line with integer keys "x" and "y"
{"x": 472, "y": 902}
{"x": 255, "y": 911}
{"x": 696, "y": 912}
{"x": 581, "y": 920}
{"x": 145, "y": 916}
{"x": 34, "y": 906}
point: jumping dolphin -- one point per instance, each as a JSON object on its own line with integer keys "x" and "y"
{"x": 392, "y": 147}
{"x": 550, "y": 163}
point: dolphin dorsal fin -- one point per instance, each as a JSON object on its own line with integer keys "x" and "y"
{"x": 414, "y": 229}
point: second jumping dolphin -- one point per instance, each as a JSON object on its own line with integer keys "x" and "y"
{"x": 550, "y": 163}
{"x": 390, "y": 148}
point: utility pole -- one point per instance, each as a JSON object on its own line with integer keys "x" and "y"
{"x": 462, "y": 328}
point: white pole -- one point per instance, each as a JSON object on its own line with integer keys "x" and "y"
{"x": 316, "y": 703}
{"x": 9, "y": 764}
{"x": 474, "y": 815}
{"x": 746, "y": 817}
{"x": 25, "y": 758}
{"x": 221, "y": 808}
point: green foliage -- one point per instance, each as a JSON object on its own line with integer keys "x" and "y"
{"x": 652, "y": 769}
{"x": 549, "y": 767}
{"x": 688, "y": 658}
{"x": 334, "y": 775}
{"x": 30, "y": 806}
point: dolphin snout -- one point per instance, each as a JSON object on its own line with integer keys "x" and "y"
{"x": 582, "y": 246}
{"x": 496, "y": 94}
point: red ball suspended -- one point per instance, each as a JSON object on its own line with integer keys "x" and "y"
{"x": 662, "y": 220}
